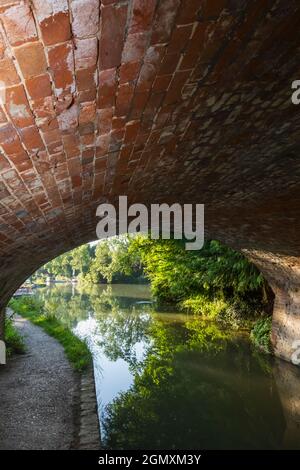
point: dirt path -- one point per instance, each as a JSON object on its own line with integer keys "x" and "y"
{"x": 37, "y": 395}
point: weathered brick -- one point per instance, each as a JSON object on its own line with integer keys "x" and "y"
{"x": 179, "y": 38}
{"x": 18, "y": 107}
{"x": 123, "y": 100}
{"x": 164, "y": 21}
{"x": 31, "y": 138}
{"x": 142, "y": 15}
{"x": 150, "y": 67}
{"x": 113, "y": 22}
{"x": 68, "y": 119}
{"x": 56, "y": 28}
{"x": 87, "y": 112}
{"x": 62, "y": 67}
{"x": 85, "y": 15}
{"x": 105, "y": 120}
{"x": 31, "y": 59}
{"x": 129, "y": 71}
{"x": 19, "y": 24}
{"x": 39, "y": 87}
{"x": 8, "y": 73}
{"x": 107, "y": 88}
{"x": 86, "y": 79}
{"x": 162, "y": 82}
{"x": 135, "y": 47}
{"x": 86, "y": 53}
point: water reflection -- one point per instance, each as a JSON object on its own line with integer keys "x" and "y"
{"x": 172, "y": 381}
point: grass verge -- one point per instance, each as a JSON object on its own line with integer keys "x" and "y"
{"x": 13, "y": 340}
{"x": 76, "y": 350}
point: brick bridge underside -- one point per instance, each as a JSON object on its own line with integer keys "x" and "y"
{"x": 183, "y": 101}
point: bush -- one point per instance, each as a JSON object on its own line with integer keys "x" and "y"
{"x": 261, "y": 335}
{"x": 14, "y": 341}
{"x": 200, "y": 305}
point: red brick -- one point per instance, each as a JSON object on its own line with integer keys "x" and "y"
{"x": 118, "y": 123}
{"x": 129, "y": 71}
{"x": 2, "y": 46}
{"x": 18, "y": 107}
{"x": 31, "y": 59}
{"x": 153, "y": 105}
{"x": 76, "y": 181}
{"x": 100, "y": 164}
{"x": 179, "y": 38}
{"x": 162, "y": 82}
{"x": 44, "y": 108}
{"x": 142, "y": 15}
{"x": 209, "y": 10}
{"x": 102, "y": 145}
{"x": 56, "y": 28}
{"x": 135, "y": 47}
{"x": 31, "y": 138}
{"x": 47, "y": 124}
{"x": 105, "y": 120}
{"x": 39, "y": 87}
{"x": 12, "y": 144}
{"x": 85, "y": 17}
{"x": 4, "y": 165}
{"x": 138, "y": 104}
{"x": 86, "y": 79}
{"x": 113, "y": 22}
{"x": 123, "y": 100}
{"x": 71, "y": 145}
{"x": 88, "y": 140}
{"x": 2, "y": 115}
{"x": 62, "y": 67}
{"x": 8, "y": 73}
{"x": 19, "y": 157}
{"x": 73, "y": 166}
{"x": 19, "y": 24}
{"x": 87, "y": 112}
{"x": 86, "y": 53}
{"x": 87, "y": 95}
{"x": 131, "y": 131}
{"x": 107, "y": 88}
{"x": 68, "y": 119}
{"x": 164, "y": 21}
{"x": 169, "y": 64}
{"x": 149, "y": 68}
{"x": 189, "y": 9}
{"x": 52, "y": 136}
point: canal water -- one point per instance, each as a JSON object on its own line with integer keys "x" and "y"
{"x": 173, "y": 381}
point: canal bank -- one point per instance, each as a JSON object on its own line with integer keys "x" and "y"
{"x": 45, "y": 404}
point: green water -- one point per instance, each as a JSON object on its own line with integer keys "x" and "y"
{"x": 172, "y": 381}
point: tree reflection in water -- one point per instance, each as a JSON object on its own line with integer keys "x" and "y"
{"x": 195, "y": 386}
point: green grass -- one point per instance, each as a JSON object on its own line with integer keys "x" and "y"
{"x": 13, "y": 340}
{"x": 261, "y": 335}
{"x": 76, "y": 350}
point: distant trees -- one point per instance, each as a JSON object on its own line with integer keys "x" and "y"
{"x": 192, "y": 278}
{"x": 77, "y": 261}
{"x": 109, "y": 261}
{"x": 114, "y": 261}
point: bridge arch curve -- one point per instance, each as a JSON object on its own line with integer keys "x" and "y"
{"x": 163, "y": 101}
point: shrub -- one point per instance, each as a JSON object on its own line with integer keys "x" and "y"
{"x": 14, "y": 341}
{"x": 261, "y": 335}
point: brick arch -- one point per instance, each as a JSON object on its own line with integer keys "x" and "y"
{"x": 161, "y": 100}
